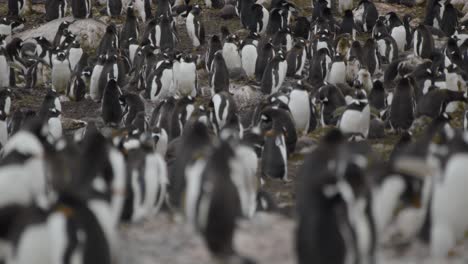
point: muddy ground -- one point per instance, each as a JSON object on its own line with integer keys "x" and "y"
{"x": 268, "y": 238}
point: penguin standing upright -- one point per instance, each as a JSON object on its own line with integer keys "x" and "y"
{"x": 94, "y": 90}
{"x": 231, "y": 54}
{"x": 60, "y": 34}
{"x": 160, "y": 82}
{"x": 266, "y": 52}
{"x": 347, "y": 25}
{"x": 114, "y": 8}
{"x": 401, "y": 109}
{"x": 366, "y": 14}
{"x": 195, "y": 27}
{"x": 75, "y": 54}
{"x": 76, "y": 89}
{"x": 423, "y": 42}
{"x": 249, "y": 54}
{"x": 260, "y": 21}
{"x": 397, "y": 30}
{"x": 144, "y": 9}
{"x": 223, "y": 110}
{"x": 4, "y": 69}
{"x": 449, "y": 21}
{"x": 219, "y": 74}
{"x": 185, "y": 76}
{"x": 55, "y": 9}
{"x": 299, "y": 105}
{"x": 337, "y": 73}
{"x": 331, "y": 99}
{"x": 60, "y": 71}
{"x": 213, "y": 46}
{"x": 18, "y": 8}
{"x": 355, "y": 120}
{"x": 165, "y": 35}
{"x": 162, "y": 114}
{"x": 132, "y": 105}
{"x": 130, "y": 30}
{"x": 319, "y": 67}
{"x": 109, "y": 42}
{"x": 371, "y": 57}
{"x": 274, "y": 75}
{"x": 111, "y": 108}
{"x": 183, "y": 110}
{"x": 296, "y": 59}
{"x": 388, "y": 48}
{"x": 81, "y": 9}
{"x": 274, "y": 156}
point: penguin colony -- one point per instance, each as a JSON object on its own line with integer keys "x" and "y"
{"x": 197, "y": 156}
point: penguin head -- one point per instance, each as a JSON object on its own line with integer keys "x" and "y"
{"x": 196, "y": 10}
{"x": 61, "y": 56}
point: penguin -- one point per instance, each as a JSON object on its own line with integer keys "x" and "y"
{"x": 130, "y": 30}
{"x": 18, "y": 8}
{"x": 162, "y": 114}
{"x": 397, "y": 30}
{"x": 260, "y": 19}
{"x": 319, "y": 67}
{"x": 131, "y": 105}
{"x": 55, "y": 9}
{"x": 61, "y": 72}
{"x": 319, "y": 42}
{"x": 423, "y": 42}
{"x": 331, "y": 98}
{"x": 423, "y": 77}
{"x": 54, "y": 125}
{"x": 275, "y": 73}
{"x": 449, "y": 19}
{"x": 183, "y": 110}
{"x": 213, "y": 46}
{"x": 296, "y": 59}
{"x": 277, "y": 21}
{"x": 111, "y": 108}
{"x": 347, "y": 25}
{"x": 388, "y": 48}
{"x": 377, "y": 96}
{"x": 143, "y": 8}
{"x": 75, "y": 54}
{"x": 219, "y": 74}
{"x": 283, "y": 38}
{"x": 4, "y": 68}
{"x": 231, "y": 54}
{"x": 401, "y": 109}
{"x": 337, "y": 73}
{"x": 356, "y": 51}
{"x": 366, "y": 14}
{"x": 245, "y": 12}
{"x": 160, "y": 82}
{"x": 94, "y": 90}
{"x": 353, "y": 66}
{"x": 60, "y": 34}
{"x": 300, "y": 107}
{"x": 409, "y": 31}
{"x": 302, "y": 28}
{"x": 371, "y": 57}
{"x": 114, "y": 8}
{"x": 379, "y": 30}
{"x": 283, "y": 118}
{"x": 76, "y": 89}
{"x": 109, "y": 42}
{"x": 195, "y": 27}
{"x": 266, "y": 52}
{"x": 81, "y": 9}
{"x": 185, "y": 76}
{"x": 223, "y": 110}
{"x": 249, "y": 54}
{"x": 355, "y": 120}
{"x": 274, "y": 157}
{"x": 146, "y": 180}
{"x": 165, "y": 35}
{"x": 164, "y": 8}
{"x": 437, "y": 102}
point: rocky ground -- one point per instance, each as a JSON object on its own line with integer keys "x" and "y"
{"x": 268, "y": 238}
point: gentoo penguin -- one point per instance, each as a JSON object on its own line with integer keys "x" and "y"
{"x": 164, "y": 8}
{"x": 274, "y": 156}
{"x": 75, "y": 54}
{"x": 94, "y": 90}
{"x": 143, "y": 8}
{"x": 231, "y": 54}
{"x": 380, "y": 29}
{"x": 355, "y": 119}
{"x": 366, "y": 14}
{"x": 160, "y": 82}
{"x": 60, "y": 34}
{"x": 160, "y": 139}
{"x": 4, "y": 68}
{"x": 219, "y": 74}
{"x": 183, "y": 110}
{"x": 322, "y": 41}
{"x": 223, "y": 110}
{"x": 401, "y": 109}
{"x": 60, "y": 71}
{"x": 130, "y": 29}
{"x": 437, "y": 102}
{"x": 245, "y": 12}
{"x": 423, "y": 42}
{"x": 114, "y": 8}
{"x": 449, "y": 21}
{"x": 296, "y": 59}
{"x": 371, "y": 57}
{"x": 249, "y": 54}
{"x": 195, "y": 27}
{"x": 51, "y": 101}
{"x": 111, "y": 108}
{"x": 448, "y": 220}
{"x": 76, "y": 89}
{"x": 185, "y": 75}
{"x": 283, "y": 118}
{"x": 260, "y": 19}
{"x": 52, "y": 119}
{"x": 377, "y": 96}
{"x": 146, "y": 179}
{"x": 109, "y": 42}
{"x": 165, "y": 34}
{"x": 277, "y": 21}
{"x": 302, "y": 28}
{"x": 388, "y": 48}
{"x": 162, "y": 114}
{"x": 319, "y": 67}
{"x": 213, "y": 46}
{"x": 266, "y": 52}
{"x": 274, "y": 75}
{"x": 337, "y": 73}
{"x": 300, "y": 107}
{"x": 132, "y": 105}
{"x": 347, "y": 25}
{"x": 331, "y": 98}
{"x": 397, "y": 30}
{"x": 81, "y": 9}
{"x": 55, "y": 9}
{"x": 18, "y": 8}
